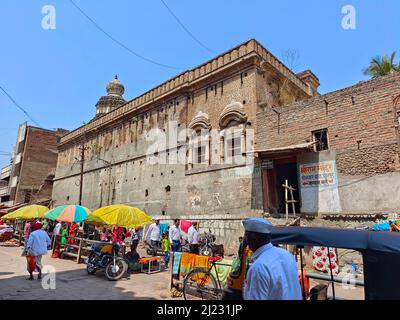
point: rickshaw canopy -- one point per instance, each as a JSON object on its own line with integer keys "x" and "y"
{"x": 380, "y": 252}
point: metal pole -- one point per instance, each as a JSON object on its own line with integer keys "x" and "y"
{"x": 286, "y": 200}
{"x": 109, "y": 184}
{"x": 302, "y": 274}
{"x": 332, "y": 280}
{"x": 81, "y": 173}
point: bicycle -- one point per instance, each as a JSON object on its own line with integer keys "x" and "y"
{"x": 200, "y": 283}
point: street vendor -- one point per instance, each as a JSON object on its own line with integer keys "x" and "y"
{"x": 133, "y": 260}
{"x": 73, "y": 232}
{"x": 273, "y": 274}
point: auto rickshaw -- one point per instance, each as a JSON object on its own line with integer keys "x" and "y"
{"x": 380, "y": 253}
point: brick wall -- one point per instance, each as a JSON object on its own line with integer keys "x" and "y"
{"x": 39, "y": 160}
{"x": 365, "y": 113}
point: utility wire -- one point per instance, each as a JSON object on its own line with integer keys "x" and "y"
{"x": 120, "y": 43}
{"x": 19, "y": 107}
{"x": 186, "y": 29}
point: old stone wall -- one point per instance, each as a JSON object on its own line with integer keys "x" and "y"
{"x": 163, "y": 188}
{"x": 117, "y": 169}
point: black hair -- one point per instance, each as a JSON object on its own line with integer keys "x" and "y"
{"x": 260, "y": 238}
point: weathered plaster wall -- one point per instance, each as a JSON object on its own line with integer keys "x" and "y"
{"x": 363, "y": 131}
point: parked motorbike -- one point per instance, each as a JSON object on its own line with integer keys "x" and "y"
{"x": 113, "y": 266}
{"x": 206, "y": 244}
{"x": 154, "y": 250}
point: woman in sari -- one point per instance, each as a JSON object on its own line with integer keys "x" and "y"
{"x": 27, "y": 229}
{"x": 118, "y": 235}
{"x": 73, "y": 232}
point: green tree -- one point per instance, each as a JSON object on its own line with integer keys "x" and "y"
{"x": 381, "y": 66}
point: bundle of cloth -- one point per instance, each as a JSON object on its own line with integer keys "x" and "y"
{"x": 6, "y": 229}
{"x": 386, "y": 226}
{"x": 321, "y": 260}
{"x": 185, "y": 262}
{"x": 222, "y": 269}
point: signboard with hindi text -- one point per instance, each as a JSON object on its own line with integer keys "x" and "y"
{"x": 319, "y": 174}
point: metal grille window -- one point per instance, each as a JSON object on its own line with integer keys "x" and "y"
{"x": 321, "y": 137}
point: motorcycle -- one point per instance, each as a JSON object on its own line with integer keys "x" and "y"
{"x": 114, "y": 267}
{"x": 206, "y": 245}
{"x": 154, "y": 250}
{"x": 207, "y": 242}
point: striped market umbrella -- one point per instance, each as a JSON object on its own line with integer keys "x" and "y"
{"x": 68, "y": 213}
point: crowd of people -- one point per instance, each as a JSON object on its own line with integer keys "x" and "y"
{"x": 272, "y": 276}
{"x": 40, "y": 235}
{"x": 172, "y": 239}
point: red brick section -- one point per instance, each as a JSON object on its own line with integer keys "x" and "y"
{"x": 366, "y": 112}
{"x": 39, "y": 160}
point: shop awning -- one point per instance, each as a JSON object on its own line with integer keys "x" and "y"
{"x": 286, "y": 150}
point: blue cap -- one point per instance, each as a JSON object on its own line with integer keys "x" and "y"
{"x": 259, "y": 225}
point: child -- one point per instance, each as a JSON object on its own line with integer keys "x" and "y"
{"x": 166, "y": 244}
{"x": 63, "y": 234}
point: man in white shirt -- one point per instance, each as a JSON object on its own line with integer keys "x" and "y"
{"x": 153, "y": 234}
{"x": 175, "y": 236}
{"x": 193, "y": 238}
{"x": 57, "y": 228}
{"x": 274, "y": 274}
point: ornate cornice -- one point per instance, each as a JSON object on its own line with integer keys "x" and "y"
{"x": 247, "y": 50}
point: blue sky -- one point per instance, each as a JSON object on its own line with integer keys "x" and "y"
{"x": 58, "y": 75}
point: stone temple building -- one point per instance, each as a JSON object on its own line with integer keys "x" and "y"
{"x": 184, "y": 148}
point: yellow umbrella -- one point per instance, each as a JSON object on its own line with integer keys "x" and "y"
{"x": 27, "y": 213}
{"x": 119, "y": 215}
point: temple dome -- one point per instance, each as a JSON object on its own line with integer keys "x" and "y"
{"x": 115, "y": 87}
{"x": 113, "y": 99}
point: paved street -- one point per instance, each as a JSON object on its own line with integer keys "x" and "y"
{"x": 72, "y": 281}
